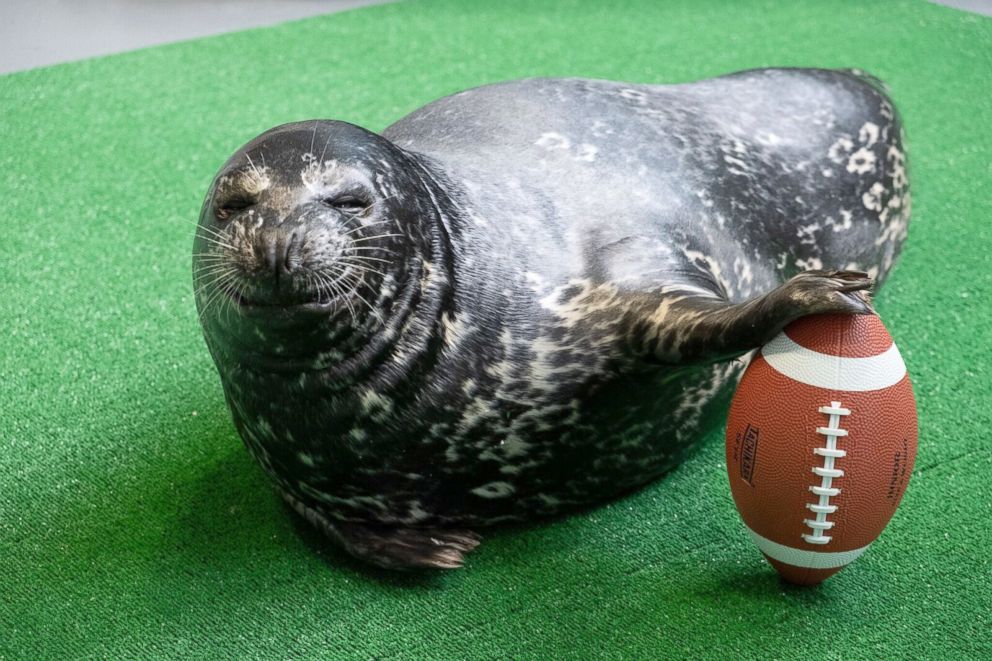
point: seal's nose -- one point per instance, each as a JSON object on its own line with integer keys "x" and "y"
{"x": 280, "y": 251}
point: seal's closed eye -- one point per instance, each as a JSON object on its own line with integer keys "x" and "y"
{"x": 224, "y": 209}
{"x": 348, "y": 203}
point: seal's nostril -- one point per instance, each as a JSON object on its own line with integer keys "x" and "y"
{"x": 272, "y": 255}
{"x": 287, "y": 262}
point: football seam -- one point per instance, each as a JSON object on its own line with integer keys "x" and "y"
{"x": 827, "y": 473}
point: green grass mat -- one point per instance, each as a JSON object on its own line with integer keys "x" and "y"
{"x": 133, "y": 523}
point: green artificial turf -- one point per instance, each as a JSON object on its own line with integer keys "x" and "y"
{"x": 134, "y": 524}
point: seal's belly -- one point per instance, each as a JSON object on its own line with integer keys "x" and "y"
{"x": 501, "y": 454}
{"x": 626, "y": 432}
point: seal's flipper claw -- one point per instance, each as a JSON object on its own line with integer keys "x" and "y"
{"x": 393, "y": 547}
{"x": 700, "y": 329}
{"x": 831, "y": 291}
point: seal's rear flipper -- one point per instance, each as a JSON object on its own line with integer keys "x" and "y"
{"x": 393, "y": 547}
{"x": 698, "y": 329}
{"x": 407, "y": 548}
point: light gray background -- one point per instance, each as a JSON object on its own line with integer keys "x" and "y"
{"x": 36, "y": 33}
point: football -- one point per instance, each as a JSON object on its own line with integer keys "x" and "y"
{"x": 821, "y": 440}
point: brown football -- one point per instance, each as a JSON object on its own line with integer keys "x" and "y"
{"x": 821, "y": 440}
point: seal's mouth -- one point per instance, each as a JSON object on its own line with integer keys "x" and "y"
{"x": 321, "y": 302}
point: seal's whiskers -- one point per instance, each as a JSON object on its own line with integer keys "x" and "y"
{"x": 385, "y": 250}
{"x": 366, "y": 257}
{"x": 361, "y": 227}
{"x": 217, "y": 293}
{"x": 377, "y": 236}
{"x": 361, "y": 267}
{"x": 335, "y": 292}
{"x": 252, "y": 163}
{"x": 360, "y": 279}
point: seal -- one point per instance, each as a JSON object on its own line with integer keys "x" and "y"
{"x": 532, "y": 295}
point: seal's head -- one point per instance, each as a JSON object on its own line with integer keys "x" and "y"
{"x": 307, "y": 239}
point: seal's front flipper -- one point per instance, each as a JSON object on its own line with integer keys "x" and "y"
{"x": 393, "y": 547}
{"x": 698, "y": 329}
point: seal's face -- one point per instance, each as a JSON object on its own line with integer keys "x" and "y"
{"x": 307, "y": 229}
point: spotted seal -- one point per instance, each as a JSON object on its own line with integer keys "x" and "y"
{"x": 528, "y": 296}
